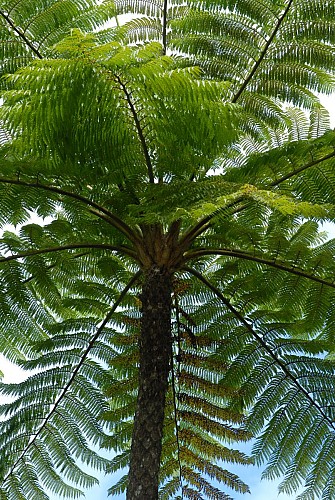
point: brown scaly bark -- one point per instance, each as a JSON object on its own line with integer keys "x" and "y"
{"x": 155, "y": 349}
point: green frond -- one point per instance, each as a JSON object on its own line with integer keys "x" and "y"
{"x": 213, "y": 471}
{"x": 119, "y": 487}
{"x": 202, "y": 486}
{"x": 319, "y": 122}
{"x": 30, "y": 29}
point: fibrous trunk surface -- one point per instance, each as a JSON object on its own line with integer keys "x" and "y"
{"x": 155, "y": 349}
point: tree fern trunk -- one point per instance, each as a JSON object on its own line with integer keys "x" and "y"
{"x": 155, "y": 348}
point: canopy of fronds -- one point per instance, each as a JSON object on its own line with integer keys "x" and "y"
{"x": 200, "y": 117}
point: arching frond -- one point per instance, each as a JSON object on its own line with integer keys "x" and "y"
{"x": 293, "y": 408}
{"x": 53, "y": 420}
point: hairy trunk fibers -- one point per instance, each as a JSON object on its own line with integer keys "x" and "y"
{"x": 155, "y": 348}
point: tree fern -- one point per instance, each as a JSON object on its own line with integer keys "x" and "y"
{"x": 178, "y": 299}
